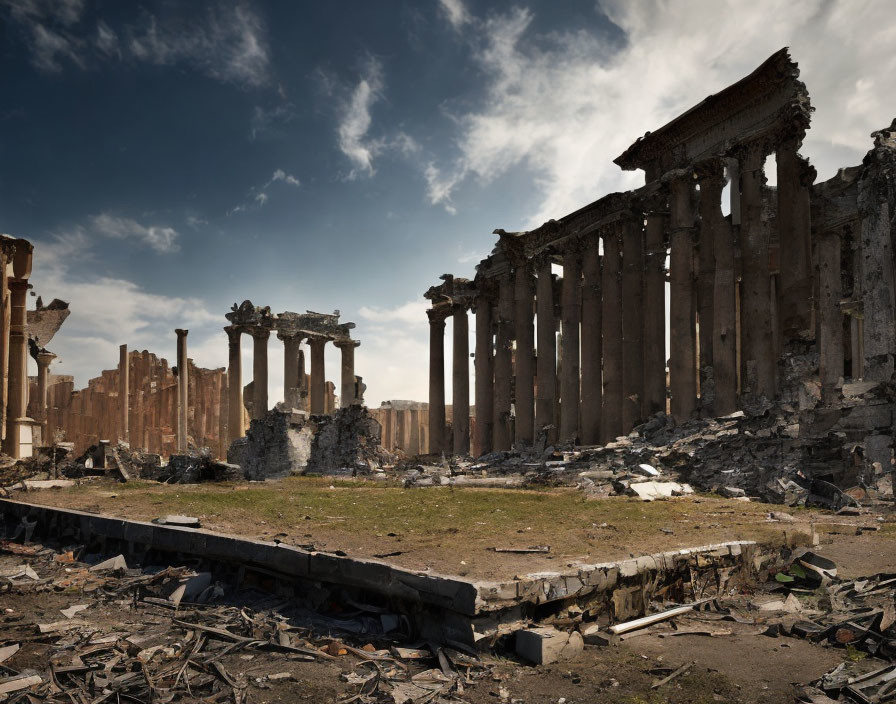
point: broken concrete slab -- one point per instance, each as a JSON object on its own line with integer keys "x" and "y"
{"x": 543, "y": 646}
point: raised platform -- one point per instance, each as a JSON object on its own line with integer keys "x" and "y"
{"x": 465, "y": 608}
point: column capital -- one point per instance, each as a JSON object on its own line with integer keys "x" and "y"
{"x": 438, "y": 314}
{"x": 711, "y": 173}
{"x": 284, "y": 335}
{"x": 343, "y": 344}
{"x": 317, "y": 340}
{"x": 259, "y": 333}
{"x": 7, "y": 247}
{"x": 18, "y": 285}
{"x": 181, "y": 333}
{"x": 43, "y": 358}
{"x": 234, "y": 332}
{"x": 751, "y": 154}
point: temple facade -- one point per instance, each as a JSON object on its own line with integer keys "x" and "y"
{"x": 801, "y": 271}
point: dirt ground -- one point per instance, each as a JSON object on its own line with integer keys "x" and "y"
{"x": 450, "y": 531}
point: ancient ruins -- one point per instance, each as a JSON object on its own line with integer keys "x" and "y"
{"x": 786, "y": 301}
{"x": 594, "y": 491}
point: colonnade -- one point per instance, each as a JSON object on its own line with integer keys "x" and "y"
{"x": 729, "y": 316}
{"x": 315, "y": 329}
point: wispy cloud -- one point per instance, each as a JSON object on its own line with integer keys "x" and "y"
{"x": 456, "y": 13}
{"x": 411, "y": 312}
{"x": 258, "y": 195}
{"x": 563, "y": 104}
{"x": 227, "y": 43}
{"x": 161, "y": 239}
{"x": 354, "y": 123}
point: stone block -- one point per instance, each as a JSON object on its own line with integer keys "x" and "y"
{"x": 546, "y": 645}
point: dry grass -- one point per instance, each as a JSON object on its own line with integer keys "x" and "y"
{"x": 445, "y": 528}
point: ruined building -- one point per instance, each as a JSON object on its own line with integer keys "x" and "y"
{"x": 787, "y": 302}
{"x": 86, "y": 416}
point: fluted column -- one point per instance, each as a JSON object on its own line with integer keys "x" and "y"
{"x": 830, "y": 323}
{"x": 460, "y": 380}
{"x": 123, "y": 392}
{"x": 592, "y": 393}
{"x": 347, "y": 372}
{"x": 436, "y": 380}
{"x": 655, "y": 309}
{"x": 7, "y": 252}
{"x": 44, "y": 358}
{"x": 318, "y": 375}
{"x": 524, "y": 359}
{"x": 569, "y": 372}
{"x": 546, "y": 371}
{"x": 18, "y": 374}
{"x": 723, "y": 345}
{"x": 632, "y": 321}
{"x": 758, "y": 352}
{"x": 503, "y": 364}
{"x": 234, "y": 383}
{"x": 485, "y": 374}
{"x": 260, "y": 337}
{"x": 612, "y": 334}
{"x": 292, "y": 343}
{"x": 682, "y": 314}
{"x": 182, "y": 389}
{"x": 795, "y": 279}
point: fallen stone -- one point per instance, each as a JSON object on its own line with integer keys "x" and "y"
{"x": 72, "y": 610}
{"x": 594, "y": 635}
{"x": 546, "y": 645}
{"x": 732, "y": 492}
{"x": 113, "y": 564}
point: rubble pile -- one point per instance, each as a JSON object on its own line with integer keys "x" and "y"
{"x": 290, "y": 442}
{"x": 197, "y": 466}
{"x": 176, "y": 634}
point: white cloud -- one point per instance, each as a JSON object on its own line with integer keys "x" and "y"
{"x": 161, "y": 239}
{"x": 563, "y": 105}
{"x": 456, "y": 12}
{"x": 281, "y": 175}
{"x": 355, "y": 120}
{"x": 411, "y": 313}
{"x": 107, "y": 311}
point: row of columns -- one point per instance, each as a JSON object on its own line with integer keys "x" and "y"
{"x": 293, "y": 373}
{"x": 612, "y": 371}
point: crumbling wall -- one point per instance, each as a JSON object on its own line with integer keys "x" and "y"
{"x": 89, "y": 415}
{"x": 347, "y": 442}
{"x": 277, "y": 445}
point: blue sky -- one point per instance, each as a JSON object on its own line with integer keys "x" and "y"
{"x": 170, "y": 158}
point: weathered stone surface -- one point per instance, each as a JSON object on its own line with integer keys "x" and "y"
{"x": 546, "y": 645}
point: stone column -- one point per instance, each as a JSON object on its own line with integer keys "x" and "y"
{"x": 682, "y": 323}
{"x": 183, "y": 408}
{"x": 546, "y": 371}
{"x": 318, "y": 375}
{"x": 655, "y": 309}
{"x": 7, "y": 253}
{"x": 18, "y": 370}
{"x": 524, "y": 359}
{"x": 710, "y": 177}
{"x": 436, "y": 380}
{"x": 632, "y": 321}
{"x": 292, "y": 343}
{"x": 569, "y": 380}
{"x": 234, "y": 383}
{"x": 260, "y": 337}
{"x": 830, "y": 319}
{"x": 43, "y": 372}
{"x": 724, "y": 319}
{"x": 592, "y": 393}
{"x": 758, "y": 350}
{"x": 612, "y": 334}
{"x": 460, "y": 380}
{"x": 123, "y": 392}
{"x": 347, "y": 378}
{"x": 485, "y": 376}
{"x": 795, "y": 280}
{"x": 503, "y": 364}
